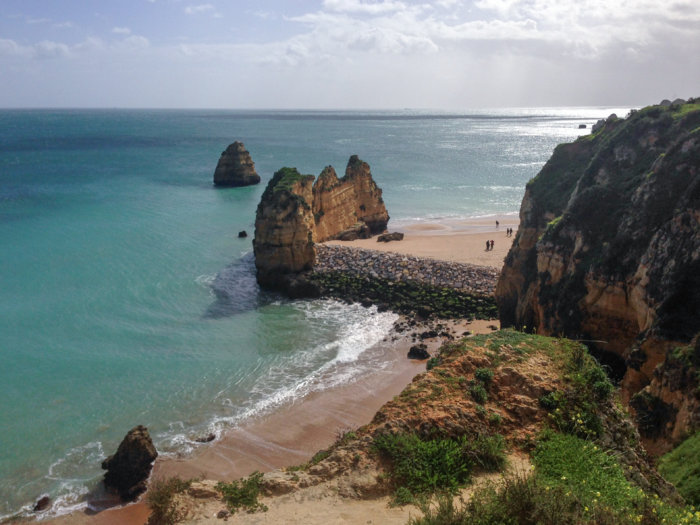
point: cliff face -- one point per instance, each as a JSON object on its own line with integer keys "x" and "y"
{"x": 294, "y": 213}
{"x": 284, "y": 228}
{"x": 235, "y": 167}
{"x": 609, "y": 250}
{"x": 340, "y": 204}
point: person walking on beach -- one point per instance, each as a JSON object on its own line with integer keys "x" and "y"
{"x": 497, "y": 223}
{"x": 492, "y": 244}
{"x": 488, "y": 243}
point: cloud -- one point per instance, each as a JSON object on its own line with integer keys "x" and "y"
{"x": 198, "y": 9}
{"x": 121, "y": 30}
{"x": 133, "y": 43}
{"x": 358, "y": 6}
{"x": 49, "y": 49}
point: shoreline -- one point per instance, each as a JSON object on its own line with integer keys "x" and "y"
{"x": 270, "y": 441}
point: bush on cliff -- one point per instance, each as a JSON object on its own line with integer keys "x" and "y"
{"x": 161, "y": 500}
{"x": 422, "y": 467}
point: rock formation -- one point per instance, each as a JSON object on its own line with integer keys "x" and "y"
{"x": 235, "y": 167}
{"x": 128, "y": 469}
{"x": 295, "y": 213}
{"x": 608, "y": 251}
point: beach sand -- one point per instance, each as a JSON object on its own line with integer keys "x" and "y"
{"x": 460, "y": 241}
{"x": 292, "y": 434}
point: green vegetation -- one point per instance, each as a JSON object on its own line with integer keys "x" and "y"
{"x": 161, "y": 500}
{"x": 432, "y": 363}
{"x": 478, "y": 393}
{"x": 574, "y": 483}
{"x": 681, "y": 467}
{"x": 583, "y": 468}
{"x": 485, "y": 375}
{"x": 685, "y": 109}
{"x": 243, "y": 494}
{"x": 423, "y": 467}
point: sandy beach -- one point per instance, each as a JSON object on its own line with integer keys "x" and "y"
{"x": 293, "y": 433}
{"x": 459, "y": 241}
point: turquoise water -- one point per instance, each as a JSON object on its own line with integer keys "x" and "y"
{"x": 126, "y": 297}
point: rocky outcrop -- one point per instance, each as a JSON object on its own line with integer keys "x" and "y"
{"x": 284, "y": 229}
{"x": 235, "y": 167}
{"x": 295, "y": 213}
{"x": 608, "y": 251}
{"x": 128, "y": 469}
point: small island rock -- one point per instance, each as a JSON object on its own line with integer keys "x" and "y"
{"x": 129, "y": 468}
{"x": 235, "y": 167}
{"x": 242, "y": 234}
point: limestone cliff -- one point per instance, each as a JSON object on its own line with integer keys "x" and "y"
{"x": 284, "y": 228}
{"x": 295, "y": 212}
{"x": 235, "y": 167}
{"x": 608, "y": 250}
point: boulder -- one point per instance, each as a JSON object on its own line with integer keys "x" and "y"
{"x": 388, "y": 237}
{"x": 242, "y": 234}
{"x": 359, "y": 230}
{"x": 418, "y": 352}
{"x": 128, "y": 469}
{"x": 235, "y": 167}
{"x": 206, "y": 439}
{"x": 42, "y": 504}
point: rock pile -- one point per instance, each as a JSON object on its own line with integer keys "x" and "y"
{"x": 477, "y": 280}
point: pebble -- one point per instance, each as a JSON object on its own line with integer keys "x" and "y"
{"x": 464, "y": 277}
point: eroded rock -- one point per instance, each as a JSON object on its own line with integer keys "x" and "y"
{"x": 128, "y": 469}
{"x": 235, "y": 167}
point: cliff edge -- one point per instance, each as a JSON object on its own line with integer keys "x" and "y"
{"x": 608, "y": 251}
{"x": 295, "y": 213}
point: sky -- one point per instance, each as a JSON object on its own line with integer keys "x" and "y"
{"x": 354, "y": 54}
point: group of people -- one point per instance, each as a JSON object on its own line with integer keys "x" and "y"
{"x": 489, "y": 246}
{"x": 509, "y": 232}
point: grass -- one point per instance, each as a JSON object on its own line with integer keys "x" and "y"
{"x": 681, "y": 467}
{"x": 243, "y": 494}
{"x": 574, "y": 483}
{"x": 161, "y": 500}
{"x": 420, "y": 467}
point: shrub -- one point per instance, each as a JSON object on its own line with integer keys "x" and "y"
{"x": 478, "y": 393}
{"x": 161, "y": 500}
{"x": 243, "y": 493}
{"x": 421, "y": 467}
{"x": 485, "y": 375}
{"x": 432, "y": 363}
{"x": 486, "y": 452}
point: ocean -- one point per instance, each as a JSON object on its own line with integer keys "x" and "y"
{"x": 126, "y": 297}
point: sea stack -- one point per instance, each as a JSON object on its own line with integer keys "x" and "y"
{"x": 235, "y": 167}
{"x": 608, "y": 251}
{"x": 295, "y": 213}
{"x": 128, "y": 469}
